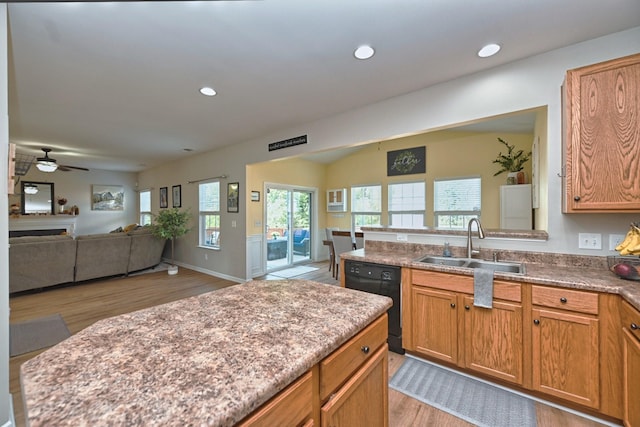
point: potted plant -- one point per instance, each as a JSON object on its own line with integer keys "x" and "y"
{"x": 511, "y": 162}
{"x": 171, "y": 224}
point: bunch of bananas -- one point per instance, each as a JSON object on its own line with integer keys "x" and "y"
{"x": 631, "y": 243}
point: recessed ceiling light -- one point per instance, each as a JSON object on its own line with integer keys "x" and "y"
{"x": 489, "y": 50}
{"x": 364, "y": 52}
{"x": 207, "y": 91}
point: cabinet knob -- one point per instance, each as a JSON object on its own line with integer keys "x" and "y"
{"x": 576, "y": 198}
{"x": 466, "y": 307}
{"x": 453, "y": 305}
{"x": 563, "y": 300}
{"x": 536, "y": 322}
{"x": 634, "y": 326}
{"x": 365, "y": 349}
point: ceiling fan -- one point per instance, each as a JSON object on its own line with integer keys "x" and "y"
{"x": 47, "y": 164}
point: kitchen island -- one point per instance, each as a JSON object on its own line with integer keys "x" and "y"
{"x": 207, "y": 360}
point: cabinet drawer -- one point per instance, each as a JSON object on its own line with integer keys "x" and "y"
{"x": 342, "y": 363}
{"x": 630, "y": 316}
{"x": 502, "y": 289}
{"x": 565, "y": 299}
{"x": 290, "y": 407}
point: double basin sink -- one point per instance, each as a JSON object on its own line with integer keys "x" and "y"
{"x": 504, "y": 267}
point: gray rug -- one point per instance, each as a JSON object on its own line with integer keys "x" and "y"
{"x": 36, "y": 334}
{"x": 472, "y": 400}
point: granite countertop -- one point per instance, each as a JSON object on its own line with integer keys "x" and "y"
{"x": 205, "y": 360}
{"x": 538, "y": 271}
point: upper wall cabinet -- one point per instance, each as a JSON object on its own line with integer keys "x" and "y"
{"x": 602, "y": 137}
{"x": 337, "y": 200}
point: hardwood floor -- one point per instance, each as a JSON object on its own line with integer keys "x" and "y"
{"x": 83, "y": 304}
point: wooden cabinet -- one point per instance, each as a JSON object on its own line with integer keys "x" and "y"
{"x": 435, "y": 326}
{"x": 347, "y": 388}
{"x": 565, "y": 344}
{"x": 493, "y": 339}
{"x": 337, "y": 200}
{"x": 354, "y": 380}
{"x": 601, "y": 137}
{"x": 291, "y": 407}
{"x": 631, "y": 365}
{"x": 447, "y": 326}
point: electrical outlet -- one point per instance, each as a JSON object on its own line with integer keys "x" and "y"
{"x": 615, "y": 240}
{"x": 402, "y": 237}
{"x": 590, "y": 241}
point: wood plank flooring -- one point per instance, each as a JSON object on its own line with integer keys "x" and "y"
{"x": 83, "y": 304}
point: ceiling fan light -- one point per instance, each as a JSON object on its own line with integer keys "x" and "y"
{"x": 47, "y": 166}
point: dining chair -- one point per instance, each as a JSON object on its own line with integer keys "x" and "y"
{"x": 332, "y": 256}
{"x": 359, "y": 239}
{"x": 342, "y": 242}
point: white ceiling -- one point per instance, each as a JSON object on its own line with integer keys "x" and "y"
{"x": 114, "y": 85}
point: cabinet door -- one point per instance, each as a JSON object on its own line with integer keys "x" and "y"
{"x": 566, "y": 356}
{"x": 631, "y": 365}
{"x": 434, "y": 323}
{"x": 364, "y": 399}
{"x": 602, "y": 142}
{"x": 493, "y": 339}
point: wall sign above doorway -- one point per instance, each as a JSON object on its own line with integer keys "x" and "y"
{"x": 299, "y": 140}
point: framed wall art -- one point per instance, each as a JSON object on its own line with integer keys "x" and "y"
{"x": 406, "y": 162}
{"x": 233, "y": 197}
{"x": 176, "y": 191}
{"x": 164, "y": 197}
{"x": 107, "y": 198}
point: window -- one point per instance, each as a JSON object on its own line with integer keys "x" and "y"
{"x": 407, "y": 204}
{"x": 209, "y": 214}
{"x": 145, "y": 207}
{"x": 456, "y": 201}
{"x": 366, "y": 206}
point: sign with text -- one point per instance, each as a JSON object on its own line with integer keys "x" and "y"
{"x": 407, "y": 161}
{"x": 288, "y": 143}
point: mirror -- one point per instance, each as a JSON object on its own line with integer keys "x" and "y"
{"x": 37, "y": 198}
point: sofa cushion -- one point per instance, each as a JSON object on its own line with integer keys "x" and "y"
{"x": 102, "y": 255}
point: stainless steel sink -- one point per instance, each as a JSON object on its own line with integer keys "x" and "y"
{"x": 505, "y": 267}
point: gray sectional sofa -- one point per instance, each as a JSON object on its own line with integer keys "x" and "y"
{"x": 42, "y": 261}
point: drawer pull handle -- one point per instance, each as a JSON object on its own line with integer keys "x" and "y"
{"x": 466, "y": 307}
{"x": 563, "y": 300}
{"x": 536, "y": 322}
{"x": 634, "y": 326}
{"x": 365, "y": 349}
{"x": 453, "y": 305}
{"x": 576, "y": 198}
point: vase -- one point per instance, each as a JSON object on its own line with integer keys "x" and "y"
{"x": 512, "y": 178}
{"x": 61, "y": 208}
{"x": 172, "y": 270}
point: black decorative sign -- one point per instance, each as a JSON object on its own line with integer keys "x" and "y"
{"x": 407, "y": 161}
{"x": 288, "y": 143}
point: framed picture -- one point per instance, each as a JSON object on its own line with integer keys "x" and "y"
{"x": 177, "y": 196}
{"x": 233, "y": 197}
{"x": 407, "y": 161}
{"x": 164, "y": 197}
{"x": 255, "y": 196}
{"x": 107, "y": 198}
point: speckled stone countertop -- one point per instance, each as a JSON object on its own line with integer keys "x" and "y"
{"x": 544, "y": 269}
{"x": 208, "y": 360}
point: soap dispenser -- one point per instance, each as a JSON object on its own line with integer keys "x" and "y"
{"x": 447, "y": 251}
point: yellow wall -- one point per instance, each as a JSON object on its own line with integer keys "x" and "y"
{"x": 449, "y": 154}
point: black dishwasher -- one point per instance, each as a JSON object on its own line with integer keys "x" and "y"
{"x": 381, "y": 280}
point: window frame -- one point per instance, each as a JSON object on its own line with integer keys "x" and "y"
{"x": 203, "y": 216}
{"x": 462, "y": 217}
{"x": 143, "y": 214}
{"x": 421, "y": 212}
{"x": 356, "y": 214}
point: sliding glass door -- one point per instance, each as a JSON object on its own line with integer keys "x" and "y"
{"x": 288, "y": 226}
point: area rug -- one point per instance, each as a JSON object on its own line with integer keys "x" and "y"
{"x": 294, "y": 271}
{"x": 36, "y": 334}
{"x": 472, "y": 400}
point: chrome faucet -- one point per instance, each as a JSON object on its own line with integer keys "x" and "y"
{"x": 470, "y": 250}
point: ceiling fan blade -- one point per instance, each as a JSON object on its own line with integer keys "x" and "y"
{"x": 67, "y": 168}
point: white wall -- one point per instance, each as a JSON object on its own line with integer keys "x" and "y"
{"x": 75, "y": 186}
{"x": 521, "y": 85}
{"x": 5, "y": 400}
